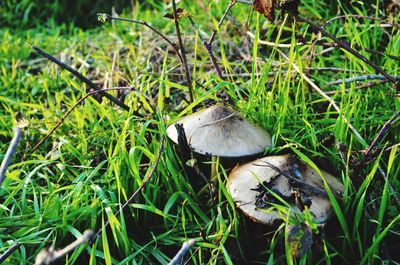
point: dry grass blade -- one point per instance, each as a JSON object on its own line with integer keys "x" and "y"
{"x": 347, "y": 47}
{"x": 336, "y": 107}
{"x": 324, "y": 95}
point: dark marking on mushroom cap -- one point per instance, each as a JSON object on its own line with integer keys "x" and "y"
{"x": 221, "y": 131}
{"x": 244, "y": 180}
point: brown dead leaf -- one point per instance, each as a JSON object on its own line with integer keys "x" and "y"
{"x": 265, "y": 7}
{"x": 179, "y": 14}
{"x": 393, "y": 7}
{"x": 268, "y": 7}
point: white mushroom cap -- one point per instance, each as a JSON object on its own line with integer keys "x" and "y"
{"x": 248, "y": 176}
{"x": 220, "y": 131}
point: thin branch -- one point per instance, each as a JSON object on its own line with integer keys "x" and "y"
{"x": 307, "y": 188}
{"x": 10, "y": 152}
{"x": 332, "y": 102}
{"x": 81, "y": 77}
{"x": 360, "y": 87}
{"x": 231, "y": 4}
{"x": 347, "y": 47}
{"x": 375, "y": 153}
{"x": 209, "y": 50}
{"x": 382, "y": 132}
{"x": 324, "y": 95}
{"x": 183, "y": 54}
{"x": 48, "y": 256}
{"x": 182, "y": 252}
{"x": 359, "y": 17}
{"x": 9, "y": 251}
{"x": 358, "y": 47}
{"x": 144, "y": 23}
{"x": 372, "y": 84}
{"x": 69, "y": 112}
{"x": 141, "y": 187}
{"x": 360, "y": 78}
{"x": 319, "y": 43}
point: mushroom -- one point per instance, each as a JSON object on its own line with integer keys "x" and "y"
{"x": 255, "y": 185}
{"x": 221, "y": 131}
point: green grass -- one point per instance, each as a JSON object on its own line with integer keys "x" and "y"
{"x": 100, "y": 154}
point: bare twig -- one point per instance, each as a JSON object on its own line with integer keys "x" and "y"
{"x": 231, "y": 4}
{"x": 209, "y": 50}
{"x": 9, "y": 251}
{"x": 144, "y": 23}
{"x": 347, "y": 47}
{"x": 307, "y": 188}
{"x": 319, "y": 43}
{"x": 387, "y": 149}
{"x": 48, "y": 256}
{"x": 324, "y": 95}
{"x": 382, "y": 132}
{"x": 69, "y": 112}
{"x": 360, "y": 87}
{"x": 10, "y": 152}
{"x": 371, "y": 84}
{"x": 360, "y": 78}
{"x": 182, "y": 252}
{"x": 359, "y": 17}
{"x": 358, "y": 47}
{"x": 332, "y": 102}
{"x": 183, "y": 54}
{"x": 141, "y": 187}
{"x": 81, "y": 77}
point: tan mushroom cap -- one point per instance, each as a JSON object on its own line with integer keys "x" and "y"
{"x": 248, "y": 176}
{"x": 221, "y": 131}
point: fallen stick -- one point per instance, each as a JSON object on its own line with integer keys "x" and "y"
{"x": 48, "y": 256}
{"x": 182, "y": 252}
{"x": 80, "y": 76}
{"x": 9, "y": 251}
{"x": 10, "y": 152}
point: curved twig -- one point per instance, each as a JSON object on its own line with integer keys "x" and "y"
{"x": 384, "y": 129}
{"x": 69, "y": 112}
{"x": 360, "y": 78}
{"x": 144, "y": 23}
{"x": 231, "y": 4}
{"x": 48, "y": 256}
{"x": 10, "y": 152}
{"x": 347, "y": 47}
